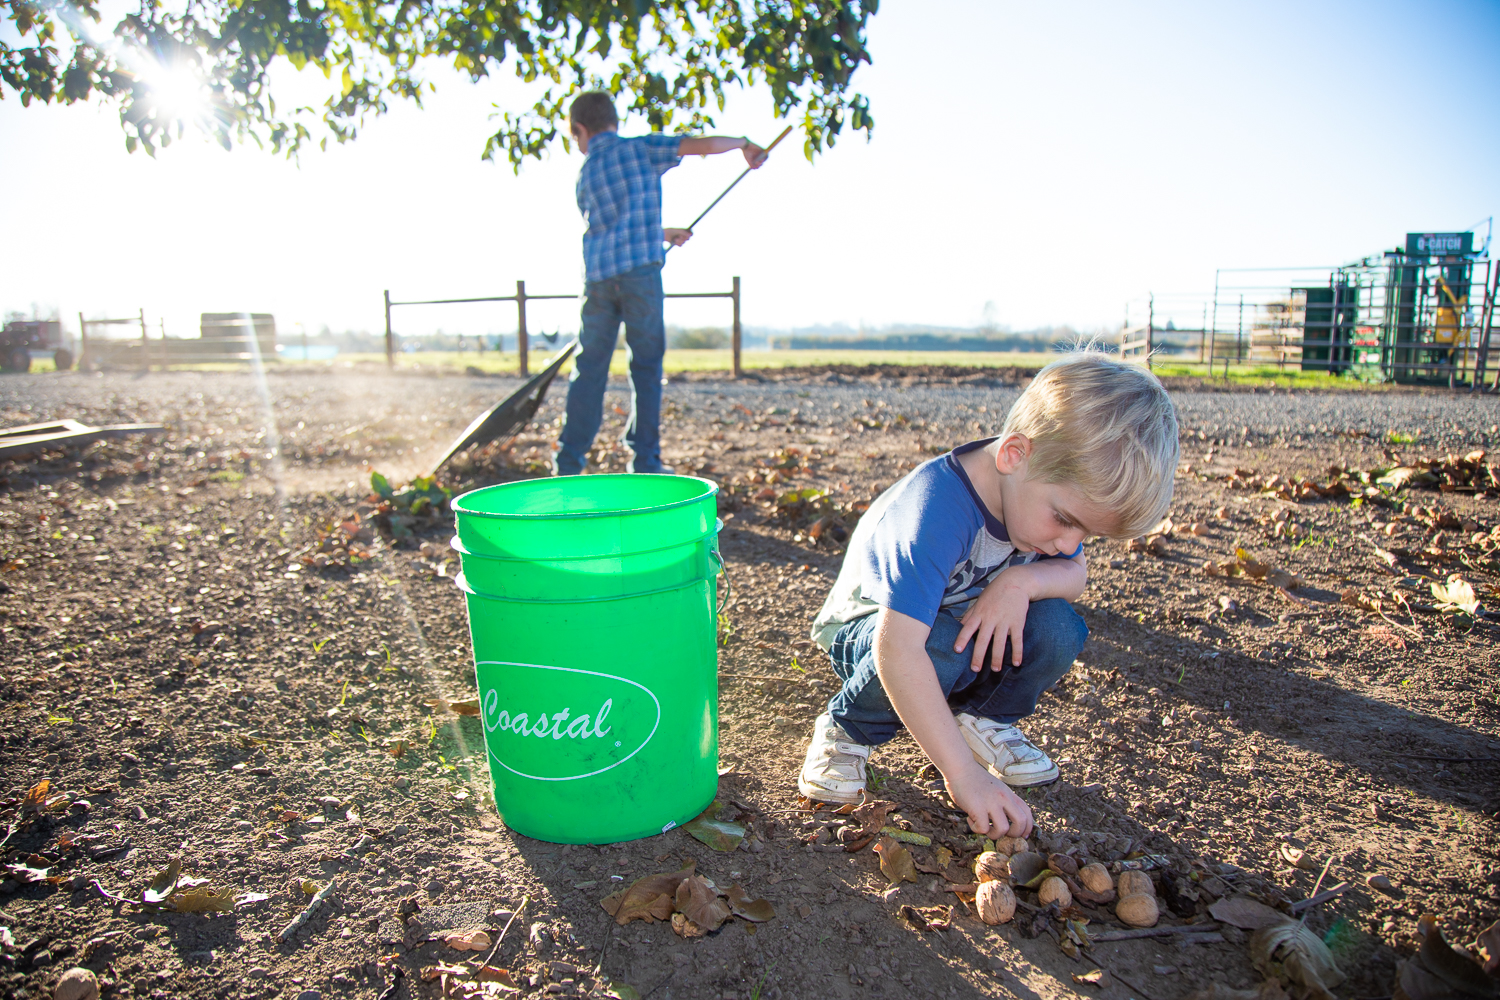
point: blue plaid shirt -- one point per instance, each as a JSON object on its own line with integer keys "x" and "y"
{"x": 619, "y": 194}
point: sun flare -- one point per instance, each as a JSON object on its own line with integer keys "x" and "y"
{"x": 177, "y": 89}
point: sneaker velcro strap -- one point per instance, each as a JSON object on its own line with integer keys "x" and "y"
{"x": 857, "y": 749}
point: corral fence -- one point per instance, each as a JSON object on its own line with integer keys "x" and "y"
{"x": 222, "y": 338}
{"x": 1422, "y": 313}
{"x": 521, "y": 297}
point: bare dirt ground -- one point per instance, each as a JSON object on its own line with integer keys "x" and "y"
{"x": 202, "y": 693}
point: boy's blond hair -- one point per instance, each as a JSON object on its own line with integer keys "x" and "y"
{"x": 1105, "y": 427}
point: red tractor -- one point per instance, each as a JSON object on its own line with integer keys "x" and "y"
{"x": 21, "y": 337}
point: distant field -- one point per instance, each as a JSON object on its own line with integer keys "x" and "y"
{"x": 719, "y": 360}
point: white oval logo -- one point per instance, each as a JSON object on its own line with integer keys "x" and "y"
{"x": 567, "y": 723}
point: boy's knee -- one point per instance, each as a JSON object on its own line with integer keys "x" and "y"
{"x": 1055, "y": 633}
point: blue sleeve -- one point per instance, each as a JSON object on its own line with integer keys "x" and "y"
{"x": 916, "y": 543}
{"x": 1061, "y": 555}
{"x": 661, "y": 151}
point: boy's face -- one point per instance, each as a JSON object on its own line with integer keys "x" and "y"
{"x": 1050, "y": 518}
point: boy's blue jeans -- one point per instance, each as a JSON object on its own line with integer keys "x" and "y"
{"x": 634, "y": 298}
{"x": 1051, "y": 641}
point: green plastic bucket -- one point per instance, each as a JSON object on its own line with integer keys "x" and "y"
{"x": 595, "y": 651}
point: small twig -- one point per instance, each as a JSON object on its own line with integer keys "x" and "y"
{"x": 306, "y": 914}
{"x": 1212, "y": 937}
{"x": 505, "y": 929}
{"x": 120, "y": 899}
{"x": 1318, "y": 898}
{"x": 1318, "y": 885}
{"x": 609, "y": 933}
{"x": 1148, "y": 932}
{"x": 9, "y": 833}
{"x": 1410, "y": 631}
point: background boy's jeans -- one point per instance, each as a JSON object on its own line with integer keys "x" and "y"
{"x": 634, "y": 298}
{"x": 1051, "y": 641}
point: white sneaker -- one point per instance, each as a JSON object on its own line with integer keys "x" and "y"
{"x": 835, "y": 767}
{"x": 1006, "y": 751}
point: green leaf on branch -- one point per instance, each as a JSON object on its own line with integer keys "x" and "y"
{"x": 216, "y": 65}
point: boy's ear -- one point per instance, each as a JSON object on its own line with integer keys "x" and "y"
{"x": 1013, "y": 453}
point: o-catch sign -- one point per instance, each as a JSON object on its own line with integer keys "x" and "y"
{"x": 1439, "y": 244}
{"x": 561, "y": 723}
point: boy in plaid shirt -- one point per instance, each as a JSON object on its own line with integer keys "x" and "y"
{"x": 619, "y": 194}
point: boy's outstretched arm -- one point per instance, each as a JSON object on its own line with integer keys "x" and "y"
{"x": 708, "y": 145}
{"x": 910, "y": 681}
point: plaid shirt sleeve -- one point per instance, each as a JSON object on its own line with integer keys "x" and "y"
{"x": 619, "y": 194}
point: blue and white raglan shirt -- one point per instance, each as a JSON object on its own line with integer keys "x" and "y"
{"x": 619, "y": 194}
{"x": 926, "y": 544}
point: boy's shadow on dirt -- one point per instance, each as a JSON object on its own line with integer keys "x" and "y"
{"x": 1268, "y": 696}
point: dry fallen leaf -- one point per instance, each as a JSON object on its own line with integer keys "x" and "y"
{"x": 716, "y": 833}
{"x": 1298, "y": 858}
{"x": 1457, "y": 594}
{"x": 944, "y": 857}
{"x": 758, "y": 910}
{"x": 432, "y": 972}
{"x": 649, "y": 898}
{"x": 928, "y": 918}
{"x": 202, "y": 899}
{"x": 1438, "y": 972}
{"x": 895, "y": 861}
{"x": 495, "y": 974}
{"x": 1096, "y": 978}
{"x": 35, "y": 796}
{"x": 1287, "y": 951}
{"x": 163, "y": 883}
{"x": 468, "y": 941}
{"x": 1253, "y": 569}
{"x": 871, "y": 816}
{"x": 1489, "y": 940}
{"x": 700, "y": 904}
{"x": 465, "y": 706}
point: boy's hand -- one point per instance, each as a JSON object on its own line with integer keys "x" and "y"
{"x": 994, "y": 810}
{"x": 754, "y": 155}
{"x": 997, "y": 614}
{"x": 677, "y": 237}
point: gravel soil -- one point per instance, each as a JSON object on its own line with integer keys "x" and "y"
{"x": 201, "y": 693}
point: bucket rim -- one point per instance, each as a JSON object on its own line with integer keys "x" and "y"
{"x": 711, "y": 489}
{"x": 456, "y": 544}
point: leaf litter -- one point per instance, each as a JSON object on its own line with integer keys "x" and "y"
{"x": 694, "y": 905}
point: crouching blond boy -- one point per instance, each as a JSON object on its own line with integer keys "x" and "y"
{"x": 950, "y": 615}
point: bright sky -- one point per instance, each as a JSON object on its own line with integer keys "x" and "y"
{"x": 1057, "y": 160}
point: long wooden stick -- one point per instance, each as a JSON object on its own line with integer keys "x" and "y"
{"x": 784, "y": 133}
{"x": 1149, "y": 932}
{"x": 505, "y": 930}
